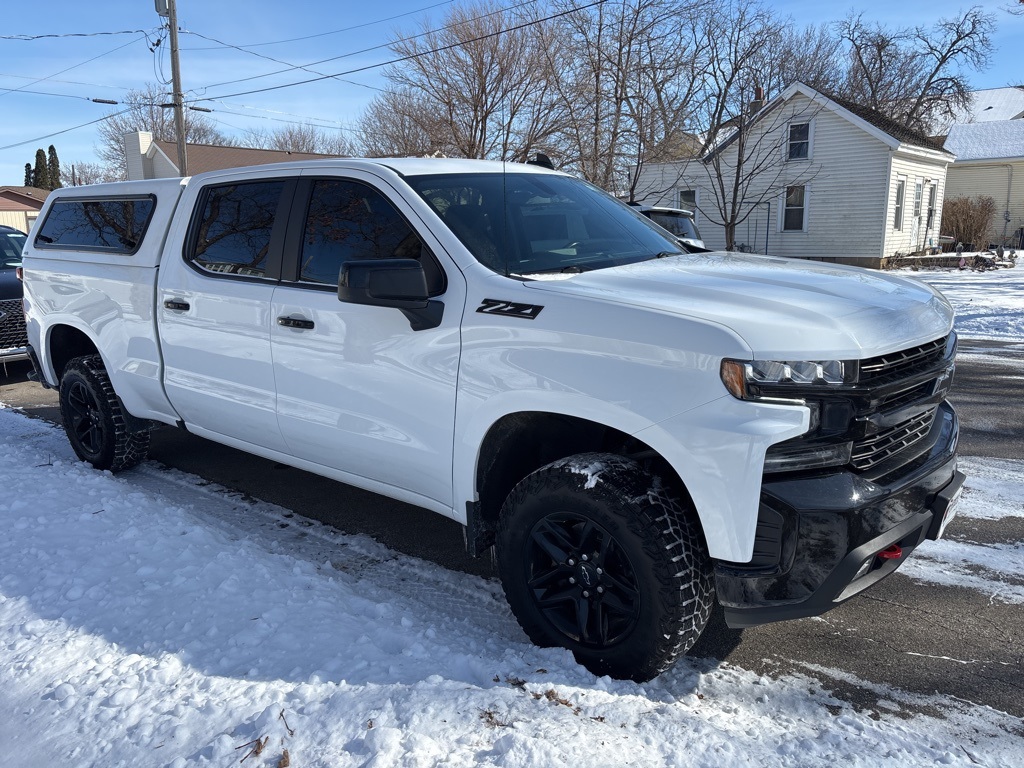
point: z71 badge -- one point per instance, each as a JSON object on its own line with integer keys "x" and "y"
{"x": 509, "y": 309}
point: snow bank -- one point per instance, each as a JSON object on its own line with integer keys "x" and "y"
{"x": 152, "y": 619}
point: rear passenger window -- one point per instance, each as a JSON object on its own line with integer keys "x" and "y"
{"x": 110, "y": 225}
{"x": 348, "y": 221}
{"x": 232, "y": 234}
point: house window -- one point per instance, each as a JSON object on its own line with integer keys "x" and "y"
{"x": 687, "y": 199}
{"x": 799, "y": 141}
{"x": 931, "y": 206}
{"x": 901, "y": 192}
{"x": 917, "y": 199}
{"x": 795, "y": 209}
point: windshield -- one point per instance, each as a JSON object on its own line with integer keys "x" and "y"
{"x": 678, "y": 224}
{"x": 11, "y": 244}
{"x": 526, "y": 223}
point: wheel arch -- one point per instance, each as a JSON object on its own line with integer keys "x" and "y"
{"x": 64, "y": 342}
{"x": 521, "y": 442}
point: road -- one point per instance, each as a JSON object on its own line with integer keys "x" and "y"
{"x": 922, "y": 638}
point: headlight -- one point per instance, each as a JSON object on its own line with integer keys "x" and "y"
{"x": 745, "y": 379}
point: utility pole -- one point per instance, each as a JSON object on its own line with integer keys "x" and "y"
{"x": 169, "y": 8}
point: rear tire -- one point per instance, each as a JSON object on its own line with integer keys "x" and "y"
{"x": 596, "y": 556}
{"x": 98, "y": 427}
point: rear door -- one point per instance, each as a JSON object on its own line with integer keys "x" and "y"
{"x": 358, "y": 390}
{"x": 214, "y": 307}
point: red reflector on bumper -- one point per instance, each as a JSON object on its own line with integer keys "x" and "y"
{"x": 895, "y": 552}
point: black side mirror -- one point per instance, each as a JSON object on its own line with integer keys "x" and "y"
{"x": 397, "y": 283}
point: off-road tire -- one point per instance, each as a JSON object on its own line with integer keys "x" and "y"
{"x": 98, "y": 427}
{"x": 643, "y": 549}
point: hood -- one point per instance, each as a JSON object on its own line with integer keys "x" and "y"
{"x": 783, "y": 308}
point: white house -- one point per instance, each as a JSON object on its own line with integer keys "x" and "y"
{"x": 990, "y": 161}
{"x": 820, "y": 178}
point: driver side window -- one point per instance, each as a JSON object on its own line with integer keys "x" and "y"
{"x": 348, "y": 220}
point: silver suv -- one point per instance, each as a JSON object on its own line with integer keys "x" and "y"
{"x": 677, "y": 221}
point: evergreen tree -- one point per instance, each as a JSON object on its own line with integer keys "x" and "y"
{"x": 53, "y": 168}
{"x": 41, "y": 172}
{"x": 28, "y": 174}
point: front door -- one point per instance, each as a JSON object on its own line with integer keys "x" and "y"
{"x": 915, "y": 224}
{"x": 358, "y": 390}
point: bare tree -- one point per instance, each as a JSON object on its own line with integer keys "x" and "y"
{"x": 401, "y": 123}
{"x": 813, "y": 55}
{"x": 303, "y": 137}
{"x": 915, "y": 76}
{"x": 80, "y": 174}
{"x": 627, "y": 75}
{"x": 144, "y": 112}
{"x": 485, "y": 82}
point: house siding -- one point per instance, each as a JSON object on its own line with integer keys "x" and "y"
{"x": 851, "y": 189}
{"x": 913, "y": 169}
{"x": 992, "y": 179}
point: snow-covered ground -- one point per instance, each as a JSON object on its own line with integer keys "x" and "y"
{"x": 989, "y": 305}
{"x": 154, "y": 619}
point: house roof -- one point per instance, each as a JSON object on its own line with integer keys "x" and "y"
{"x": 28, "y": 195}
{"x": 886, "y": 124}
{"x": 993, "y": 140}
{"x": 881, "y": 127}
{"x": 993, "y": 104}
{"x": 211, "y": 157}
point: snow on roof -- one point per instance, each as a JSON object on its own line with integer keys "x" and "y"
{"x": 986, "y": 141}
{"x": 994, "y": 104}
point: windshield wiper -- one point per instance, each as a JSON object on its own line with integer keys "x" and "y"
{"x": 666, "y": 254}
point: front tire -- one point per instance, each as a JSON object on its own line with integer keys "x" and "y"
{"x": 98, "y": 427}
{"x": 596, "y": 556}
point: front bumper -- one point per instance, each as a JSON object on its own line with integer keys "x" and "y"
{"x": 819, "y": 536}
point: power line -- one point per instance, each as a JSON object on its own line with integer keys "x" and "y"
{"x": 73, "y": 34}
{"x": 372, "y": 48}
{"x": 66, "y": 130}
{"x": 66, "y": 82}
{"x": 277, "y": 61}
{"x": 5, "y": 91}
{"x": 411, "y": 56}
{"x": 334, "y": 31}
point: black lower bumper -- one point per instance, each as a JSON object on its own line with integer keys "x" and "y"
{"x": 824, "y": 538}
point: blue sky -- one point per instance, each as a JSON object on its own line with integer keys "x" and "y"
{"x": 54, "y": 79}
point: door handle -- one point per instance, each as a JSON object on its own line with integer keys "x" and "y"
{"x": 295, "y": 322}
{"x": 176, "y": 304}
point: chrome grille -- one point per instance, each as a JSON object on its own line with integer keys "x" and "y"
{"x": 875, "y": 449}
{"x": 12, "y": 326}
{"x": 906, "y": 362}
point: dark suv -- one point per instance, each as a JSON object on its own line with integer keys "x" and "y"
{"x": 13, "y": 341}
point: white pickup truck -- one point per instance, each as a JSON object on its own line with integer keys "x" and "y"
{"x": 647, "y": 437}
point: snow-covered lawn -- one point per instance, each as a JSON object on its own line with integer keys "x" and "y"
{"x": 153, "y": 619}
{"x": 989, "y": 305}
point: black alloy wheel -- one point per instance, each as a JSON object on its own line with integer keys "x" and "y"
{"x": 98, "y": 427}
{"x": 581, "y": 580}
{"x": 598, "y": 556}
{"x": 85, "y": 420}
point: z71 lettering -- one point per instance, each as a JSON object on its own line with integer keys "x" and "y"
{"x": 509, "y": 308}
